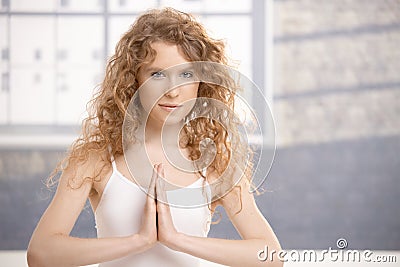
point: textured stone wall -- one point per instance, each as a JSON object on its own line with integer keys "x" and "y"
{"x": 336, "y": 70}
{"x": 337, "y": 113}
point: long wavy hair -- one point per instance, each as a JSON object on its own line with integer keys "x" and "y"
{"x": 102, "y": 129}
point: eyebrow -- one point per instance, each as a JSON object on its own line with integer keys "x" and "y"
{"x": 156, "y": 69}
{"x": 153, "y": 69}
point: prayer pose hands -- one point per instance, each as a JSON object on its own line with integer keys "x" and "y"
{"x": 157, "y": 224}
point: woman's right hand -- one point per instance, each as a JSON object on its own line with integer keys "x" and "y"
{"x": 148, "y": 229}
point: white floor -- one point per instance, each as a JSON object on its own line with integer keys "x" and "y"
{"x": 9, "y": 258}
{"x": 18, "y": 259}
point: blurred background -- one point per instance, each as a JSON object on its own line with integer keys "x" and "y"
{"x": 329, "y": 69}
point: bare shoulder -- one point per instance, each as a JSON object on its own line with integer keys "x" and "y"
{"x": 85, "y": 172}
{"x": 225, "y": 193}
{"x": 74, "y": 187}
{"x": 238, "y": 198}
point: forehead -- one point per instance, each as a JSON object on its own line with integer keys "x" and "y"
{"x": 167, "y": 55}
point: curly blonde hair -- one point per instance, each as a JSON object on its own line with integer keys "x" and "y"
{"x": 102, "y": 130}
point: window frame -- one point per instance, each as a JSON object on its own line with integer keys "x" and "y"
{"x": 61, "y": 136}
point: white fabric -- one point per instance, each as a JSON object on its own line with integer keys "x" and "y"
{"x": 120, "y": 211}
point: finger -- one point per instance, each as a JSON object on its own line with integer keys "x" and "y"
{"x": 160, "y": 186}
{"x": 152, "y": 186}
{"x": 162, "y": 171}
{"x": 163, "y": 210}
{"x": 163, "y": 206}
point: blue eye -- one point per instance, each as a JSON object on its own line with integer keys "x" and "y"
{"x": 187, "y": 74}
{"x": 157, "y": 74}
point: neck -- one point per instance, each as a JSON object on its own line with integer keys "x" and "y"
{"x": 156, "y": 131}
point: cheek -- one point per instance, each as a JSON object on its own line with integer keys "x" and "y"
{"x": 149, "y": 94}
{"x": 190, "y": 95}
{"x": 148, "y": 99}
{"x": 191, "y": 90}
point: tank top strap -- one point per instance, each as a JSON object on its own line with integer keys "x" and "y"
{"x": 113, "y": 163}
{"x": 204, "y": 171}
{"x": 112, "y": 158}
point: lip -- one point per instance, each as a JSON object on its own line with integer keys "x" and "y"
{"x": 169, "y": 107}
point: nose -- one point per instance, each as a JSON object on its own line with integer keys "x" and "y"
{"x": 172, "y": 92}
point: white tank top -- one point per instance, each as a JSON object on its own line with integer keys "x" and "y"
{"x": 119, "y": 213}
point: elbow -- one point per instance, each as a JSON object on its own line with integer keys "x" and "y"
{"x": 270, "y": 255}
{"x": 35, "y": 257}
{"x": 274, "y": 263}
{"x": 278, "y": 263}
{"x": 277, "y": 260}
{"x": 32, "y": 259}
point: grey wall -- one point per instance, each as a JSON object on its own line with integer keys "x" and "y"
{"x": 24, "y": 196}
{"x": 337, "y": 110}
{"x": 316, "y": 194}
{"x": 313, "y": 195}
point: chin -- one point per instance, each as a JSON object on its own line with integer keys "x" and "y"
{"x": 172, "y": 120}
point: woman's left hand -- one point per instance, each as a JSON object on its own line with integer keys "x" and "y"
{"x": 166, "y": 232}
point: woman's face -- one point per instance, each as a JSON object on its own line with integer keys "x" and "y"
{"x": 167, "y": 84}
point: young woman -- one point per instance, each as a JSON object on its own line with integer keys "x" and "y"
{"x": 151, "y": 86}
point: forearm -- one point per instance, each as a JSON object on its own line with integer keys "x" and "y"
{"x": 63, "y": 250}
{"x": 227, "y": 252}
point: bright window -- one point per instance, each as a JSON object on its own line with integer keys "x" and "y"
{"x": 53, "y": 54}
